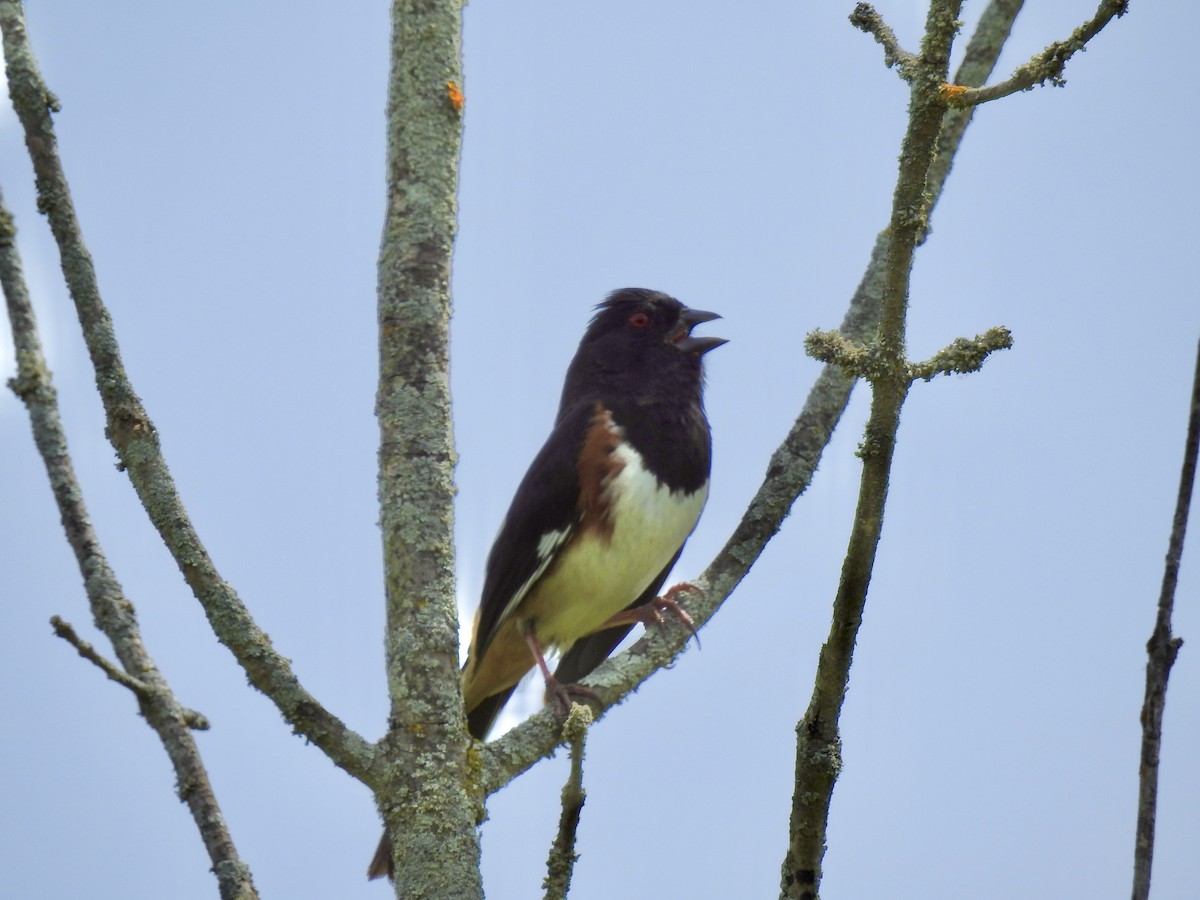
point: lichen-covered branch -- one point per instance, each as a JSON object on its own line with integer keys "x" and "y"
{"x": 113, "y": 612}
{"x": 924, "y": 164}
{"x": 133, "y": 435}
{"x": 818, "y": 738}
{"x": 560, "y": 865}
{"x": 1162, "y": 649}
{"x": 854, "y": 358}
{"x": 63, "y": 629}
{"x": 1048, "y": 65}
{"x": 962, "y": 356}
{"x": 426, "y": 790}
{"x": 979, "y": 59}
{"x": 867, "y": 19}
{"x": 789, "y": 471}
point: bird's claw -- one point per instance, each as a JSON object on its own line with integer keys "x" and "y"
{"x": 561, "y": 696}
{"x": 652, "y": 612}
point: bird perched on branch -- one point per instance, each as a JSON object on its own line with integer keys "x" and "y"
{"x": 603, "y": 512}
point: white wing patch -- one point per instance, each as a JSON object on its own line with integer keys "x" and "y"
{"x": 547, "y": 549}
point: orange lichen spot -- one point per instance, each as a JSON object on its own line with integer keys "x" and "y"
{"x": 951, "y": 92}
{"x": 457, "y": 100}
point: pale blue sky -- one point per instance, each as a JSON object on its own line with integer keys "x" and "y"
{"x": 227, "y": 163}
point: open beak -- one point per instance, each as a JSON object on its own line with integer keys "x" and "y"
{"x": 688, "y": 320}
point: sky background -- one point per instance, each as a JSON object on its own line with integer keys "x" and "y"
{"x": 226, "y": 160}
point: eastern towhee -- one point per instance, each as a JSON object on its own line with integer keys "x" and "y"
{"x": 603, "y": 512}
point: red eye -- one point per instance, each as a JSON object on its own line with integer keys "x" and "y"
{"x": 639, "y": 319}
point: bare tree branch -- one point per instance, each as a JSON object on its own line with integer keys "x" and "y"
{"x": 923, "y": 167}
{"x": 962, "y": 356}
{"x": 1162, "y": 649}
{"x": 194, "y": 720}
{"x": 560, "y": 865}
{"x": 1048, "y": 65}
{"x": 818, "y": 743}
{"x": 111, "y": 609}
{"x": 133, "y": 435}
{"x": 64, "y": 630}
{"x": 867, "y": 19}
{"x": 425, "y": 755}
{"x": 983, "y": 49}
{"x": 427, "y": 790}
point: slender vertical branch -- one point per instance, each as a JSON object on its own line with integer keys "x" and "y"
{"x": 425, "y": 795}
{"x": 1162, "y": 649}
{"x": 924, "y": 165}
{"x": 818, "y": 745}
{"x": 133, "y": 434}
{"x": 560, "y": 865}
{"x": 979, "y": 60}
{"x": 111, "y": 609}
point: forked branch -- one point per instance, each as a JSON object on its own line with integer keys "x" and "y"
{"x": 111, "y": 609}
{"x": 1048, "y": 65}
{"x": 133, "y": 434}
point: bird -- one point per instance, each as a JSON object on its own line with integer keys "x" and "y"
{"x": 603, "y": 512}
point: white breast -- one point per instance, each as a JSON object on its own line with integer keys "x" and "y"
{"x": 596, "y": 577}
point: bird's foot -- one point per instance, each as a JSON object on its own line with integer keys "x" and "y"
{"x": 652, "y": 612}
{"x": 561, "y": 696}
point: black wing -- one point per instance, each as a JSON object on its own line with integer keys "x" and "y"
{"x": 483, "y": 717}
{"x": 543, "y": 514}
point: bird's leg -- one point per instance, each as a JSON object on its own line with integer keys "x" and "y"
{"x": 561, "y": 695}
{"x": 651, "y": 613}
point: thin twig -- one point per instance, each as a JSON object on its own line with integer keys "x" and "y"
{"x": 960, "y": 357}
{"x": 867, "y": 19}
{"x": 560, "y": 865}
{"x": 1048, "y": 65}
{"x": 1162, "y": 649}
{"x": 788, "y": 474}
{"x": 134, "y": 436}
{"x": 63, "y": 629}
{"x": 111, "y": 609}
{"x": 963, "y": 355}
